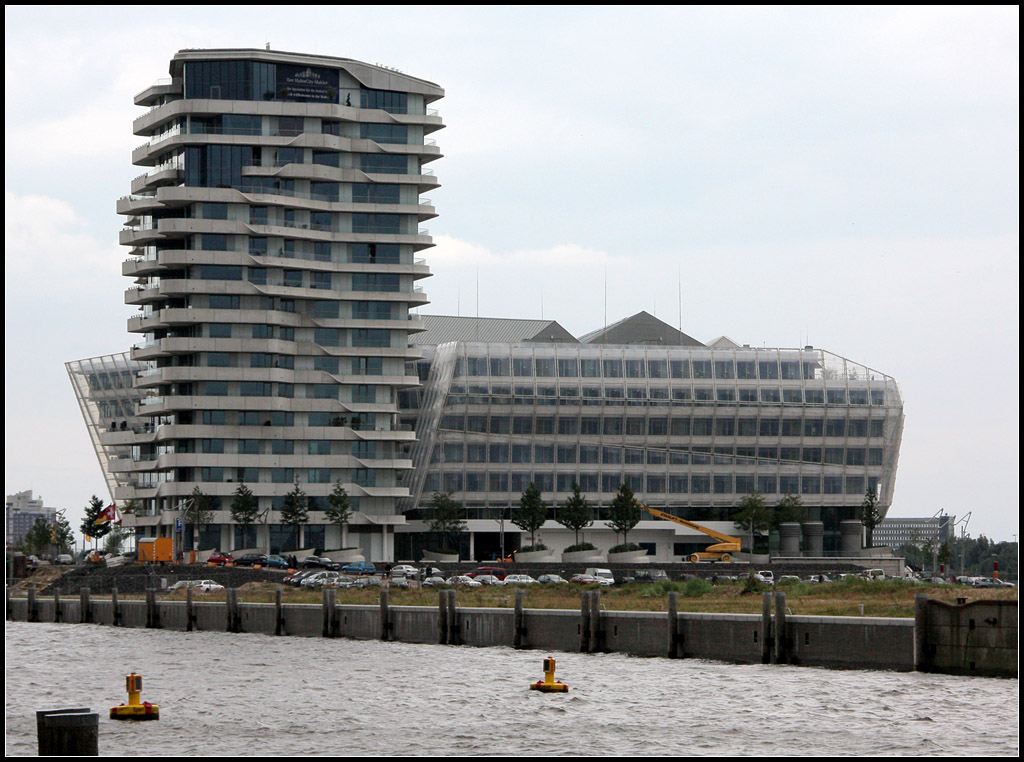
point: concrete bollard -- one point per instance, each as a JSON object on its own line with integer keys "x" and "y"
{"x": 585, "y": 622}
{"x": 115, "y": 608}
{"x": 85, "y": 605}
{"x": 68, "y": 733}
{"x": 781, "y": 633}
{"x": 33, "y": 614}
{"x": 385, "y": 615}
{"x": 56, "y": 606}
{"x": 190, "y": 614}
{"x": 518, "y": 627}
{"x": 672, "y": 628}
{"x": 766, "y": 628}
{"x": 278, "y": 613}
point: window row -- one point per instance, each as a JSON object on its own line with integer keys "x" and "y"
{"x": 676, "y": 426}
{"x": 647, "y": 484}
{"x": 573, "y": 367}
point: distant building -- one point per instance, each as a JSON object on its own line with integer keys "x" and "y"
{"x": 895, "y": 532}
{"x": 22, "y": 512}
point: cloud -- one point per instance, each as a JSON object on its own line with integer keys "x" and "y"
{"x": 48, "y": 249}
{"x": 450, "y": 252}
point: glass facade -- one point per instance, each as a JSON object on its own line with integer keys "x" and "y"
{"x": 692, "y": 430}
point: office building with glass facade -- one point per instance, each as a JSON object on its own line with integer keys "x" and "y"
{"x": 274, "y": 241}
{"x": 693, "y": 429}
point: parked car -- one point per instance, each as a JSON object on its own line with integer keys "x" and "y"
{"x": 552, "y": 579}
{"x": 434, "y": 581}
{"x": 359, "y": 567}
{"x": 488, "y": 580}
{"x": 403, "y": 570}
{"x": 367, "y": 581}
{"x": 251, "y": 559}
{"x": 396, "y": 582}
{"x": 64, "y": 559}
{"x": 296, "y": 578}
{"x": 519, "y": 579}
{"x": 463, "y": 580}
{"x": 203, "y": 585}
{"x": 584, "y": 579}
{"x": 220, "y": 559}
{"x": 319, "y": 562}
{"x": 496, "y": 571}
{"x": 277, "y": 562}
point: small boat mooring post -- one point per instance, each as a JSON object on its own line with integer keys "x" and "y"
{"x": 68, "y": 733}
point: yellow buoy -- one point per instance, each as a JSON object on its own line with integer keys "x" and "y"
{"x": 549, "y": 684}
{"x": 135, "y": 709}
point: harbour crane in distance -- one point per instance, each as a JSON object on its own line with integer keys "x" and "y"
{"x": 720, "y": 551}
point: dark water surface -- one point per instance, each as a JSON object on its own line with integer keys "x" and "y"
{"x": 252, "y": 695}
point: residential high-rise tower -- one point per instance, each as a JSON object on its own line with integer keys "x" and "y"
{"x": 273, "y": 242}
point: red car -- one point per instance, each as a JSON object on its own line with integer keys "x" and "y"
{"x": 584, "y": 579}
{"x": 220, "y": 559}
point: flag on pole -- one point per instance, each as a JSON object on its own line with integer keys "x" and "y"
{"x": 107, "y": 515}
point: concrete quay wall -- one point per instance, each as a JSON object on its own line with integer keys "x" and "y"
{"x": 977, "y": 638}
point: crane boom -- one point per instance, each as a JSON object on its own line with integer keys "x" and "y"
{"x": 717, "y": 552}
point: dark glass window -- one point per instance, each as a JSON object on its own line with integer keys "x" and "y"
{"x": 375, "y": 193}
{"x": 386, "y": 100}
{"x": 384, "y": 133}
{"x": 384, "y": 163}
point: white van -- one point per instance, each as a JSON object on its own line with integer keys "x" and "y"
{"x": 603, "y": 576}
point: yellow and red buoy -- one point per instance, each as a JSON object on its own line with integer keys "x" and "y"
{"x": 549, "y": 684}
{"x": 135, "y": 709}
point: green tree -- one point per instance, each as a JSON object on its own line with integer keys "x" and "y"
{"x": 89, "y": 527}
{"x": 198, "y": 512}
{"x": 115, "y": 539}
{"x": 576, "y": 514}
{"x": 754, "y": 517}
{"x": 61, "y": 534}
{"x": 791, "y": 510}
{"x": 339, "y": 510}
{"x": 37, "y": 538}
{"x": 870, "y": 514}
{"x": 447, "y": 519}
{"x": 245, "y": 509}
{"x": 625, "y": 513}
{"x": 531, "y": 513}
{"x": 295, "y": 510}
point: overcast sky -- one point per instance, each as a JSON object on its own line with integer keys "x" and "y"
{"x": 845, "y": 178}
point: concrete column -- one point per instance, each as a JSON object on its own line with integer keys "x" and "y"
{"x": 921, "y": 660}
{"x": 56, "y": 607}
{"x": 850, "y": 534}
{"x": 781, "y": 633}
{"x": 766, "y": 628}
{"x": 278, "y": 613}
{"x": 814, "y": 539}
{"x": 789, "y": 539}
{"x": 115, "y": 613}
{"x": 672, "y": 637}
{"x": 385, "y": 616}
{"x": 190, "y": 614}
{"x": 585, "y": 622}
{"x": 32, "y": 612}
{"x": 518, "y": 628}
{"x": 85, "y": 605}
